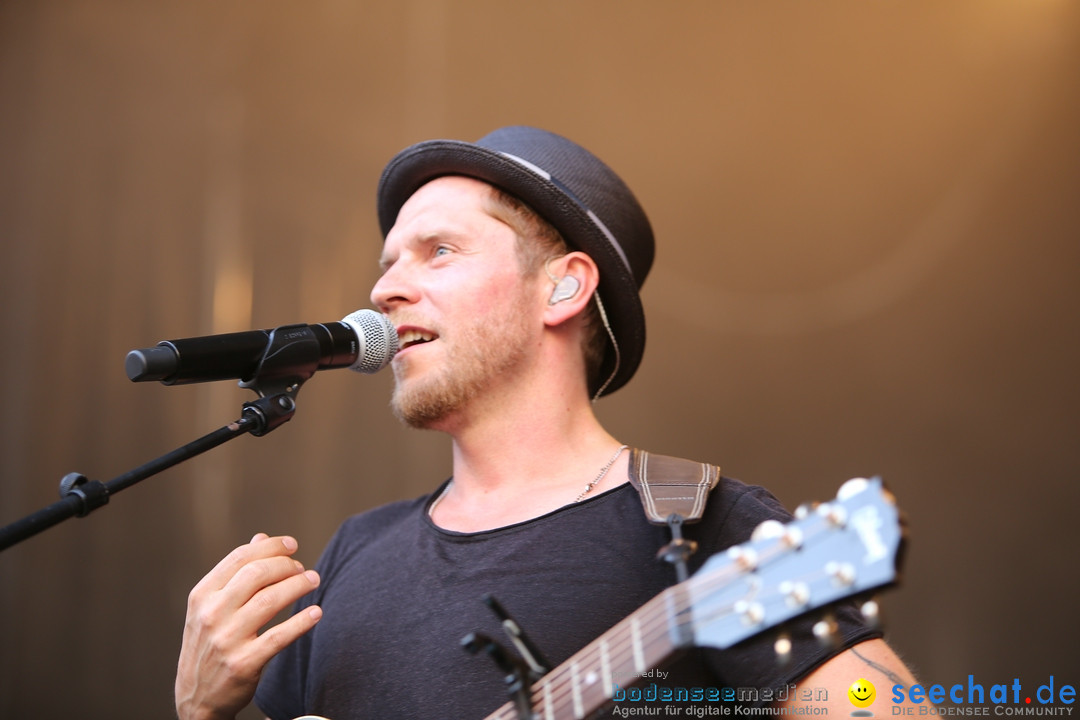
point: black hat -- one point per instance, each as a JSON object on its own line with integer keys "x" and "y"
{"x": 569, "y": 187}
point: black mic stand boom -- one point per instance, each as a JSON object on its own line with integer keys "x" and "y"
{"x": 291, "y": 357}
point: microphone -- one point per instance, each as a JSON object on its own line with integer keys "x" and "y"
{"x": 364, "y": 341}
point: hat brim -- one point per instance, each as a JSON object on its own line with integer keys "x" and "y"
{"x": 419, "y": 164}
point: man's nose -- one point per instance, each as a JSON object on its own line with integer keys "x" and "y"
{"x": 393, "y": 288}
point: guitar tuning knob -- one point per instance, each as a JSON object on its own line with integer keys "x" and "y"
{"x": 745, "y": 558}
{"x": 803, "y": 511}
{"x": 871, "y": 612}
{"x": 852, "y": 487}
{"x": 751, "y": 613}
{"x": 789, "y": 535}
{"x": 768, "y": 530}
{"x": 827, "y": 632}
{"x": 782, "y": 648}
{"x": 796, "y": 594}
{"x": 834, "y": 514}
{"x": 842, "y": 574}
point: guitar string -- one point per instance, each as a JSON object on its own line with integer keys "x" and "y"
{"x": 552, "y": 690}
{"x": 656, "y": 623}
{"x": 559, "y": 683}
{"x": 655, "y": 644}
{"x": 619, "y": 639}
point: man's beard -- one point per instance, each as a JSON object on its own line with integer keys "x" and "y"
{"x": 482, "y": 352}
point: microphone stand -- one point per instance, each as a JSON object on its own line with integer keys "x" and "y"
{"x": 291, "y": 357}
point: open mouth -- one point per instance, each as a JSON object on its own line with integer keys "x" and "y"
{"x": 410, "y": 338}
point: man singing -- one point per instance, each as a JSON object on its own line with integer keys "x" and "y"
{"x": 511, "y": 269}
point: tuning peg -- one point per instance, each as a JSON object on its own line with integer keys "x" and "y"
{"x": 852, "y": 487}
{"x": 782, "y": 648}
{"x": 827, "y": 631}
{"x": 796, "y": 594}
{"x": 746, "y": 558}
{"x": 842, "y": 573}
{"x": 834, "y": 513}
{"x": 768, "y": 530}
{"x": 871, "y": 612}
{"x": 751, "y": 613}
{"x": 804, "y": 510}
{"x": 789, "y": 535}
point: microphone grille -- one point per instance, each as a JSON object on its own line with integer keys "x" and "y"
{"x": 377, "y": 337}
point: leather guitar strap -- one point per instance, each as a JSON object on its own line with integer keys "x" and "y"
{"x": 671, "y": 486}
{"x": 673, "y": 491}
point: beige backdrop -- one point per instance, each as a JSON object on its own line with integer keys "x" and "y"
{"x": 868, "y": 221}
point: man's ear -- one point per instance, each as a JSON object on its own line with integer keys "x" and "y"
{"x": 574, "y": 278}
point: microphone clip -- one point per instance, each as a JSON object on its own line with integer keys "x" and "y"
{"x": 291, "y": 357}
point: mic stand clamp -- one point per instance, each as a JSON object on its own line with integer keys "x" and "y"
{"x": 84, "y": 494}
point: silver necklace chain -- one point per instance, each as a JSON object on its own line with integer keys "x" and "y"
{"x": 603, "y": 472}
{"x": 588, "y": 488}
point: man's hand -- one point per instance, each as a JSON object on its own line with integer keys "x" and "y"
{"x": 223, "y": 653}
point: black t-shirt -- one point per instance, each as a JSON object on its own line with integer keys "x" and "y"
{"x": 399, "y": 594}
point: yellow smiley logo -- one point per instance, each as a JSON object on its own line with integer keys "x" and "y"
{"x": 861, "y": 693}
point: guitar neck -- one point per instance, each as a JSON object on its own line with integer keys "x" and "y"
{"x": 585, "y": 682}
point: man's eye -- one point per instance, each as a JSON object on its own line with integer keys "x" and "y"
{"x": 441, "y": 250}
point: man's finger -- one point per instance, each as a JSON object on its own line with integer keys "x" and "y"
{"x": 277, "y": 638}
{"x": 258, "y": 576}
{"x": 265, "y": 547}
{"x": 266, "y": 602}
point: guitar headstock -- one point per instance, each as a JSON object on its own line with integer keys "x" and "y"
{"x": 835, "y": 550}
